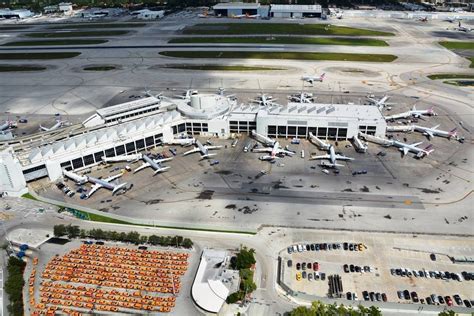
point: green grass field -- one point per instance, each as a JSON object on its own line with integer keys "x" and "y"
{"x": 451, "y": 76}
{"x": 32, "y": 56}
{"x": 99, "y": 68}
{"x": 460, "y": 83}
{"x": 457, "y": 45}
{"x": 221, "y": 67}
{"x": 279, "y": 28}
{"x": 17, "y": 68}
{"x": 97, "y": 26}
{"x": 57, "y": 42}
{"x": 77, "y": 34}
{"x": 281, "y": 55}
{"x": 472, "y": 62}
{"x": 283, "y": 40}
{"x": 13, "y": 27}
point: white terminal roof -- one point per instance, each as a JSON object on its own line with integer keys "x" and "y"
{"x": 127, "y": 107}
{"x": 306, "y": 8}
{"x": 208, "y": 291}
{"x": 105, "y": 136}
{"x": 236, "y": 6}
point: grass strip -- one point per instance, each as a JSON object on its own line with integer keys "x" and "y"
{"x": 47, "y": 55}
{"x": 77, "y": 34}
{"x": 8, "y": 27}
{"x": 97, "y": 26}
{"x": 281, "y": 55}
{"x": 18, "y": 68}
{"x": 472, "y": 62}
{"x": 457, "y": 45}
{"x": 99, "y": 68}
{"x": 279, "y": 28}
{"x": 221, "y": 67}
{"x": 460, "y": 83}
{"x": 451, "y": 76}
{"x": 283, "y": 40}
{"x": 57, "y": 42}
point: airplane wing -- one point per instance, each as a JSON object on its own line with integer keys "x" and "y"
{"x": 45, "y": 129}
{"x": 320, "y": 157}
{"x": 160, "y": 170}
{"x": 416, "y": 144}
{"x": 94, "y": 188}
{"x": 162, "y": 160}
{"x": 429, "y": 134}
{"x": 340, "y": 157}
{"x": 111, "y": 178}
{"x": 143, "y": 166}
{"x": 435, "y": 127}
{"x": 262, "y": 150}
{"x": 195, "y": 150}
{"x": 405, "y": 150}
{"x": 213, "y": 147}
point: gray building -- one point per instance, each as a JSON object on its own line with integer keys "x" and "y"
{"x": 240, "y": 9}
{"x": 295, "y": 10}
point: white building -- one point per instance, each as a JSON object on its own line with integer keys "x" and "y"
{"x": 213, "y": 282}
{"x": 295, "y": 10}
{"x": 140, "y": 125}
{"x": 146, "y": 14}
{"x": 15, "y": 14}
{"x": 65, "y": 7}
{"x": 12, "y": 181}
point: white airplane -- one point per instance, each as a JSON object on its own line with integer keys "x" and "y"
{"x": 155, "y": 164}
{"x": 182, "y": 141}
{"x": 273, "y": 148}
{"x": 423, "y": 19}
{"x": 252, "y": 16}
{"x": 204, "y": 149}
{"x": 331, "y": 155}
{"x": 302, "y": 97}
{"x": 452, "y": 19}
{"x": 264, "y": 100}
{"x": 359, "y": 145}
{"x": 239, "y": 16}
{"x": 414, "y": 112}
{"x": 463, "y": 28}
{"x": 96, "y": 183}
{"x": 57, "y": 125}
{"x": 380, "y": 103}
{"x": 419, "y": 152}
{"x": 434, "y": 131}
{"x": 7, "y": 125}
{"x": 313, "y": 79}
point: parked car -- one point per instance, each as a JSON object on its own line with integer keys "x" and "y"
{"x": 345, "y": 246}
{"x": 214, "y": 162}
{"x": 372, "y": 296}
{"x": 303, "y": 275}
{"x": 346, "y": 268}
{"x": 384, "y": 297}
{"x": 290, "y": 263}
{"x": 441, "y": 299}
{"x": 312, "y": 247}
{"x": 315, "y": 266}
{"x": 433, "y": 257}
{"x": 323, "y": 276}
{"x": 303, "y": 266}
{"x": 457, "y": 299}
{"x": 349, "y": 296}
{"x": 414, "y": 297}
{"x": 310, "y": 276}
{"x": 406, "y": 294}
{"x": 365, "y": 295}
{"x": 400, "y": 294}
{"x": 298, "y": 276}
{"x": 378, "y": 296}
{"x": 467, "y": 303}
{"x": 298, "y": 266}
{"x": 352, "y": 268}
{"x": 448, "y": 300}
{"x": 290, "y": 250}
{"x": 429, "y": 301}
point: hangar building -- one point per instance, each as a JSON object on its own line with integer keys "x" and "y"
{"x": 237, "y": 9}
{"x": 295, "y": 10}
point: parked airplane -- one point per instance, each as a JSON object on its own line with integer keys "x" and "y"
{"x": 434, "y": 131}
{"x": 238, "y": 16}
{"x": 452, "y": 19}
{"x": 204, "y": 149}
{"x": 57, "y": 125}
{"x": 414, "y": 112}
{"x": 423, "y": 19}
{"x": 463, "y": 28}
{"x": 155, "y": 164}
{"x": 302, "y": 97}
{"x": 96, "y": 183}
{"x": 313, "y": 79}
{"x": 7, "y": 125}
{"x": 331, "y": 155}
{"x": 273, "y": 147}
{"x": 252, "y": 16}
{"x": 264, "y": 100}
{"x": 380, "y": 103}
{"x": 403, "y": 147}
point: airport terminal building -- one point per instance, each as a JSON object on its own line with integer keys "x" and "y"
{"x": 144, "y": 124}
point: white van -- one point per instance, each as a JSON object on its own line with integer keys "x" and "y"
{"x": 302, "y": 153}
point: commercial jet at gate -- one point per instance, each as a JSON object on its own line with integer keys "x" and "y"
{"x": 331, "y": 155}
{"x": 203, "y": 149}
{"x": 155, "y": 164}
{"x": 273, "y": 147}
{"x": 97, "y": 183}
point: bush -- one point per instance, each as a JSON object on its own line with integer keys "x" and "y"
{"x": 14, "y": 286}
{"x": 234, "y": 297}
{"x": 245, "y": 259}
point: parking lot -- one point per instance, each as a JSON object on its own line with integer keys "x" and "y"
{"x": 380, "y": 268}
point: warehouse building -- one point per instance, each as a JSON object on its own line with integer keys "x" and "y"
{"x": 240, "y": 9}
{"x": 295, "y": 11}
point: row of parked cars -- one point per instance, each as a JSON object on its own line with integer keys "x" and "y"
{"x": 309, "y": 275}
{"x": 443, "y": 275}
{"x": 434, "y": 299}
{"x": 355, "y": 268}
{"x": 374, "y": 296}
{"x": 66, "y": 190}
{"x": 327, "y": 246}
{"x": 303, "y": 266}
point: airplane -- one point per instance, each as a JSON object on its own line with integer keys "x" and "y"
{"x": 423, "y": 19}
{"x": 302, "y": 97}
{"x": 273, "y": 148}
{"x": 148, "y": 162}
{"x": 57, "y": 125}
{"x": 239, "y": 16}
{"x": 380, "y": 103}
{"x": 265, "y": 100}
{"x": 463, "y": 28}
{"x": 204, "y": 149}
{"x": 413, "y": 112}
{"x": 203, "y": 15}
{"x": 253, "y": 16}
{"x": 403, "y": 147}
{"x": 331, "y": 155}
{"x": 96, "y": 183}
{"x": 7, "y": 125}
{"x": 313, "y": 79}
{"x": 434, "y": 131}
{"x": 452, "y": 19}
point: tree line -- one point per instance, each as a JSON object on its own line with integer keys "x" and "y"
{"x": 72, "y": 231}
{"x": 243, "y": 261}
{"x": 14, "y": 286}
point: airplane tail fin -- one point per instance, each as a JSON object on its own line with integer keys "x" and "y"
{"x": 453, "y": 132}
{"x": 322, "y": 76}
{"x": 119, "y": 187}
